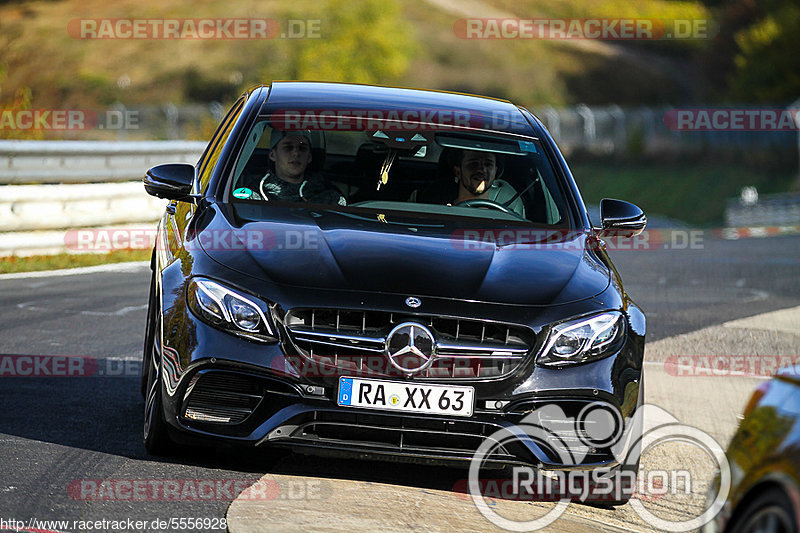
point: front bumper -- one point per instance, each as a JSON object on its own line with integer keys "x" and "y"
{"x": 226, "y": 402}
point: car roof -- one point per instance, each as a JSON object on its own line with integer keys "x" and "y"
{"x": 498, "y": 115}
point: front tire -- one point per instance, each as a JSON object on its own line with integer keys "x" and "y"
{"x": 770, "y": 511}
{"x": 149, "y": 335}
{"x": 155, "y": 430}
{"x": 625, "y": 475}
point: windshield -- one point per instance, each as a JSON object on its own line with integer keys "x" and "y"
{"x": 428, "y": 172}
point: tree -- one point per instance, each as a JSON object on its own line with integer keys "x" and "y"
{"x": 9, "y": 114}
{"x": 363, "y": 41}
{"x": 768, "y": 62}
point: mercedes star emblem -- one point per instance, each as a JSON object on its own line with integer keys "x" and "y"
{"x": 413, "y": 301}
{"x": 410, "y": 347}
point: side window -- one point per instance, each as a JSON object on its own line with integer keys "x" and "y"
{"x": 214, "y": 149}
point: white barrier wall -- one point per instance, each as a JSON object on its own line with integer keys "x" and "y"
{"x": 39, "y": 207}
{"x": 769, "y": 210}
{"x": 50, "y": 187}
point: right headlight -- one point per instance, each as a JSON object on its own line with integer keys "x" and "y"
{"x": 583, "y": 339}
{"x": 228, "y": 310}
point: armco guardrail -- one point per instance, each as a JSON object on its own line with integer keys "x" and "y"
{"x": 24, "y": 162}
{"x": 74, "y": 184}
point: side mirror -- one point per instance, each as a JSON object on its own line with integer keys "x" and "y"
{"x": 172, "y": 181}
{"x": 621, "y": 219}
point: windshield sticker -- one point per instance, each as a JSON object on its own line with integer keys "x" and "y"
{"x": 527, "y": 146}
{"x": 243, "y": 193}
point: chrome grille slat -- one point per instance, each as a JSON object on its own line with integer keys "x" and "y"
{"x": 444, "y": 345}
{"x": 340, "y": 345}
{"x": 479, "y": 356}
{"x": 337, "y": 335}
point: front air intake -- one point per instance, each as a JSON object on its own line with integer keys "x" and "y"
{"x": 222, "y": 397}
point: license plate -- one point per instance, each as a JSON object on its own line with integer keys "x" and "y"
{"x": 450, "y": 400}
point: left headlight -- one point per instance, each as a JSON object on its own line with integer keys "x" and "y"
{"x": 583, "y": 339}
{"x": 229, "y": 310}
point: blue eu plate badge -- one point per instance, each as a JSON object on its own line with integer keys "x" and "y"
{"x": 345, "y": 391}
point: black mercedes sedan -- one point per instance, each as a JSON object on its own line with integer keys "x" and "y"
{"x": 387, "y": 273}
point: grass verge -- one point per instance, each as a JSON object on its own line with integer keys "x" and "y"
{"x": 693, "y": 192}
{"x": 53, "y": 262}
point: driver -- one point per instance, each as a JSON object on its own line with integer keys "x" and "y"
{"x": 475, "y": 176}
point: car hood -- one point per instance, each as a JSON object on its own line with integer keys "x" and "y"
{"x": 434, "y": 257}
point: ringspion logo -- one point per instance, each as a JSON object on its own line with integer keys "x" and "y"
{"x": 597, "y": 427}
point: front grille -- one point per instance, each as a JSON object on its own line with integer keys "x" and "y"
{"x": 354, "y": 342}
{"x": 222, "y": 397}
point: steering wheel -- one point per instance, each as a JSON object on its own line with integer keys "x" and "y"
{"x": 484, "y": 202}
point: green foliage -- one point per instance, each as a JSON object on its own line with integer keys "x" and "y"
{"x": 198, "y": 88}
{"x": 694, "y": 192}
{"x": 22, "y": 101}
{"x": 364, "y": 41}
{"x": 96, "y": 86}
{"x": 768, "y": 63}
{"x": 663, "y": 9}
{"x": 66, "y": 260}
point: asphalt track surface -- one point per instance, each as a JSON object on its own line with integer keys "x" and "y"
{"x": 59, "y": 432}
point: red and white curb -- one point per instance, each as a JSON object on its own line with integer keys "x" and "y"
{"x": 733, "y": 234}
